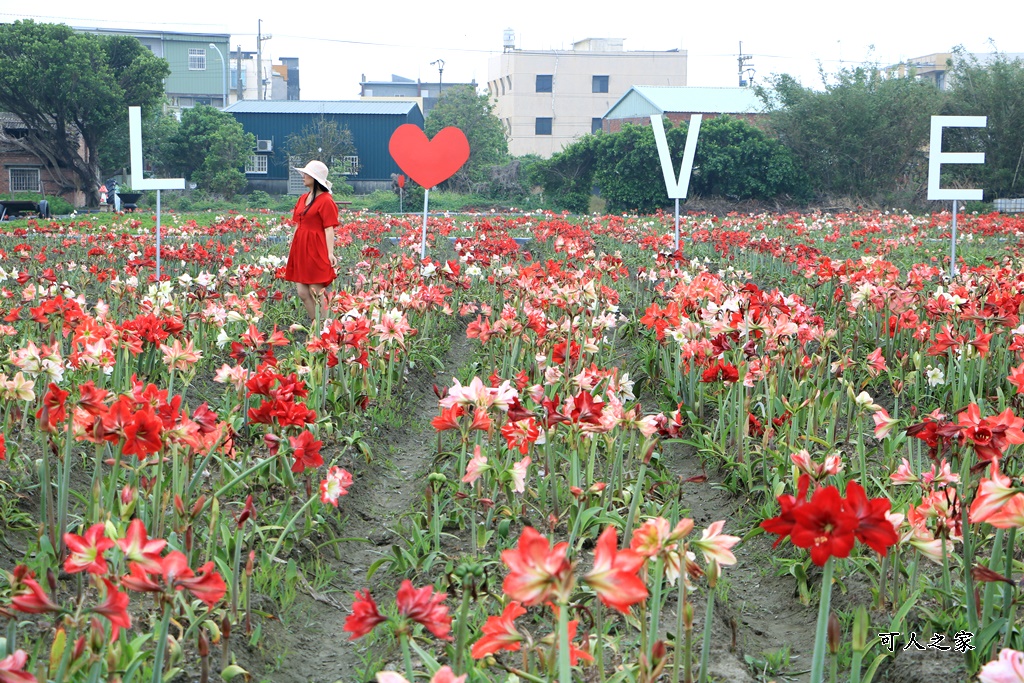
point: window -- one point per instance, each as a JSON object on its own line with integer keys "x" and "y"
{"x": 544, "y": 82}
{"x": 257, "y": 163}
{"x": 596, "y": 124}
{"x": 204, "y": 100}
{"x": 234, "y": 79}
{"x": 295, "y": 185}
{"x": 543, "y": 125}
{"x": 24, "y": 180}
{"x": 600, "y": 84}
{"x": 197, "y": 59}
{"x": 349, "y": 165}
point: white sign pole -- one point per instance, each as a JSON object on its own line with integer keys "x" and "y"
{"x": 423, "y": 240}
{"x": 676, "y": 188}
{"x": 141, "y": 183}
{"x": 677, "y": 224}
{"x": 936, "y": 157}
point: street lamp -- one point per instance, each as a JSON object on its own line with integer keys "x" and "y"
{"x": 440, "y": 74}
{"x": 224, "y": 65}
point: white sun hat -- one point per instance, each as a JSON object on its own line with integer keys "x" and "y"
{"x": 317, "y": 170}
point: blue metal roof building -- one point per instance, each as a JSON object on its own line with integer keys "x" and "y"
{"x": 370, "y": 122}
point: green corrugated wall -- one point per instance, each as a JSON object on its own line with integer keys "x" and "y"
{"x": 370, "y": 133}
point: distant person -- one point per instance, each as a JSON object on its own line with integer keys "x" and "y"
{"x": 311, "y": 261}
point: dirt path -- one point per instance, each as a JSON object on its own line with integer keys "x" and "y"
{"x": 309, "y": 646}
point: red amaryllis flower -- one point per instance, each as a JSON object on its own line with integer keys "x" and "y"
{"x": 86, "y": 553}
{"x": 207, "y": 585}
{"x": 991, "y": 436}
{"x": 425, "y": 607}
{"x": 115, "y": 608}
{"x": 873, "y": 527}
{"x": 27, "y": 595}
{"x": 138, "y": 579}
{"x": 585, "y": 409}
{"x": 306, "y": 451}
{"x": 824, "y": 526}
{"x": 448, "y": 419}
{"x": 139, "y": 549}
{"x": 53, "y": 410}
{"x": 536, "y": 570}
{"x": 12, "y": 668}
{"x": 519, "y": 435}
{"x": 364, "y": 617}
{"x": 783, "y": 524}
{"x": 726, "y": 372}
{"x": 500, "y": 633}
{"x": 614, "y": 577}
{"x": 142, "y": 435}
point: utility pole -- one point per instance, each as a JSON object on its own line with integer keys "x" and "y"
{"x": 260, "y": 39}
{"x": 238, "y": 85}
{"x": 744, "y": 65}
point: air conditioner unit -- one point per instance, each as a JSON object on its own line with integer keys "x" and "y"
{"x": 264, "y": 145}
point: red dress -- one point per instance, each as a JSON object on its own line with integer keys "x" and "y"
{"x": 308, "y": 262}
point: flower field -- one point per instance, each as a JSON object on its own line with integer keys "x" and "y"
{"x": 554, "y": 450}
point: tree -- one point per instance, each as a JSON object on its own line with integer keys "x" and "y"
{"x": 995, "y": 90}
{"x": 328, "y": 141}
{"x": 70, "y": 90}
{"x": 864, "y": 135}
{"x": 210, "y": 148}
{"x": 158, "y": 131}
{"x": 733, "y": 159}
{"x": 461, "y": 106}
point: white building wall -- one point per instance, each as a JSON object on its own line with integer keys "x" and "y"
{"x": 571, "y": 105}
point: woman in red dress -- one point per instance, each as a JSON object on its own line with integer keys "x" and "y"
{"x": 311, "y": 260}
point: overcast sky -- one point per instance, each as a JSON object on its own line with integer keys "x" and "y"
{"x": 337, "y": 42}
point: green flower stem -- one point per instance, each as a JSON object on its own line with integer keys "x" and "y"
{"x": 288, "y": 527}
{"x": 407, "y": 656}
{"x": 678, "y": 659}
{"x": 161, "y": 644}
{"x": 637, "y": 492}
{"x": 705, "y": 646}
{"x": 659, "y": 579}
{"x": 990, "y": 587}
{"x": 821, "y": 632}
{"x": 461, "y": 630}
{"x": 599, "y": 627}
{"x": 564, "y": 661}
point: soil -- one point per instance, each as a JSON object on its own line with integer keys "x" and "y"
{"x": 309, "y": 645}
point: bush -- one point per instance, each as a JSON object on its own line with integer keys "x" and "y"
{"x": 258, "y": 199}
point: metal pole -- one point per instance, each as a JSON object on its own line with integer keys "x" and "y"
{"x": 677, "y": 223}
{"x": 224, "y": 84}
{"x": 259, "y": 58}
{"x": 423, "y": 241}
{"x": 952, "y": 256}
{"x": 158, "y": 237}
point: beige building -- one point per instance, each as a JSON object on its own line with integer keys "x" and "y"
{"x": 548, "y": 98}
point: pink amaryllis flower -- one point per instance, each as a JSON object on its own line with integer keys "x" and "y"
{"x": 884, "y": 425}
{"x": 12, "y": 668}
{"x": 476, "y": 467}
{"x": 876, "y": 363}
{"x": 500, "y": 632}
{"x": 335, "y": 485}
{"x": 993, "y": 495}
{"x": 654, "y": 536}
{"x": 537, "y": 571}
{"x": 1009, "y": 668}
{"x": 443, "y": 675}
{"x": 614, "y": 575}
{"x": 716, "y": 546}
{"x": 86, "y": 552}
{"x": 518, "y": 473}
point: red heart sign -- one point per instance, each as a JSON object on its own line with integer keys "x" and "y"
{"x": 429, "y": 162}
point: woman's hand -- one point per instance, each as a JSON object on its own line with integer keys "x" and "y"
{"x": 333, "y": 260}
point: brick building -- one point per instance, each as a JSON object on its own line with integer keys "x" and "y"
{"x": 678, "y": 104}
{"x": 23, "y": 171}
